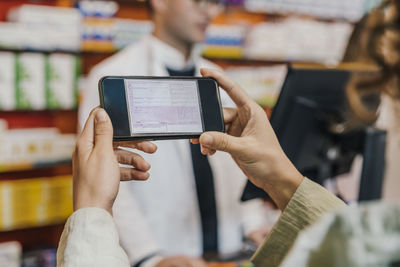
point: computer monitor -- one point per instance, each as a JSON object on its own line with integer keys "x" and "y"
{"x": 310, "y": 102}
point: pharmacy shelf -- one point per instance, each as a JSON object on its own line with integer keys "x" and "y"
{"x": 48, "y": 235}
{"x": 356, "y": 66}
{"x": 65, "y": 120}
{"x": 235, "y": 62}
{"x": 38, "y": 207}
{"x": 89, "y": 57}
{"x": 64, "y": 168}
{"x": 42, "y": 51}
{"x": 280, "y": 16}
{"x": 92, "y": 57}
{"x": 18, "y": 168}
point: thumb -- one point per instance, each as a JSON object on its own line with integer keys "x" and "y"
{"x": 103, "y": 130}
{"x": 220, "y": 141}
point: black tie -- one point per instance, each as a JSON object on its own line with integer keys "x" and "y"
{"x": 204, "y": 187}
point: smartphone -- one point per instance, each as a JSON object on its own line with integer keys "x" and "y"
{"x": 158, "y": 108}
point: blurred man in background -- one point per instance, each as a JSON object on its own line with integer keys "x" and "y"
{"x": 190, "y": 207}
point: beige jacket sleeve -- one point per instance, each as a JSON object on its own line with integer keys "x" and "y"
{"x": 309, "y": 203}
{"x": 90, "y": 238}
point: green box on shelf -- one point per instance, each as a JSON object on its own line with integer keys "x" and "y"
{"x": 30, "y": 81}
{"x": 62, "y": 72}
{"x": 7, "y": 81}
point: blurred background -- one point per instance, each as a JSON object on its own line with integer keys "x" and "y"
{"x": 48, "y": 47}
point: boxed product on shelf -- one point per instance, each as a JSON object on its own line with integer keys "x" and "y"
{"x": 10, "y": 254}
{"x": 7, "y": 81}
{"x": 28, "y": 148}
{"x": 37, "y": 81}
{"x": 30, "y": 82}
{"x": 62, "y": 77}
{"x": 93, "y": 8}
{"x": 97, "y": 25}
{"x": 40, "y": 258}
{"x": 38, "y": 37}
{"x": 326, "y": 9}
{"x": 47, "y": 27}
{"x": 41, "y": 14}
{"x": 11, "y": 35}
{"x": 128, "y": 31}
{"x": 295, "y": 39}
{"x": 263, "y": 84}
{"x": 103, "y": 32}
{"x": 35, "y": 201}
{"x": 97, "y": 34}
{"x": 224, "y": 41}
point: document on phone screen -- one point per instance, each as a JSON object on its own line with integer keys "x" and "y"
{"x": 163, "y": 106}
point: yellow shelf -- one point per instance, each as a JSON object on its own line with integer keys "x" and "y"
{"x": 35, "y": 202}
{"x": 28, "y": 166}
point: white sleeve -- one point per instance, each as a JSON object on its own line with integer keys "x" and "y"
{"x": 90, "y": 239}
{"x": 135, "y": 234}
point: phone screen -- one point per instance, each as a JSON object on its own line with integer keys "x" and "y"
{"x": 163, "y": 106}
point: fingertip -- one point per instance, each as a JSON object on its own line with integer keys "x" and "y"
{"x": 194, "y": 141}
{"x": 207, "y": 72}
{"x": 141, "y": 165}
{"x": 150, "y": 148}
{"x": 206, "y": 139}
{"x": 155, "y": 148}
{"x": 146, "y": 146}
{"x": 135, "y": 175}
{"x": 145, "y": 176}
{"x": 93, "y": 111}
{"x": 146, "y": 166}
{"x": 203, "y": 72}
{"x": 100, "y": 115}
{"x": 205, "y": 151}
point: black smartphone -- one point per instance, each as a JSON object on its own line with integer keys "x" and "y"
{"x": 158, "y": 108}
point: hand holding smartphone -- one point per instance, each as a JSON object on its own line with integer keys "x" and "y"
{"x": 159, "y": 108}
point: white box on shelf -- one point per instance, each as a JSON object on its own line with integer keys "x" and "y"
{"x": 62, "y": 81}
{"x": 296, "y": 39}
{"x": 128, "y": 31}
{"x": 48, "y": 28}
{"x": 46, "y": 15}
{"x": 30, "y": 87}
{"x": 325, "y": 9}
{"x": 11, "y": 35}
{"x": 35, "y": 146}
{"x": 7, "y": 81}
{"x": 10, "y": 253}
{"x": 263, "y": 84}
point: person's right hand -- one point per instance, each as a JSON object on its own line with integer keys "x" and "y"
{"x": 96, "y": 174}
{"x": 181, "y": 261}
{"x": 252, "y": 143}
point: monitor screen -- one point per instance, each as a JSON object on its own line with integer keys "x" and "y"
{"x": 163, "y": 106}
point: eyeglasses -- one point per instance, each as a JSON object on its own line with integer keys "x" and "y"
{"x": 217, "y": 6}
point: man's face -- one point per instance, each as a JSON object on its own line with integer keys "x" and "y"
{"x": 187, "y": 20}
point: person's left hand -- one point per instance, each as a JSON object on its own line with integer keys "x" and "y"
{"x": 95, "y": 166}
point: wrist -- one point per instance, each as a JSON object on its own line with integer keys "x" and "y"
{"x": 282, "y": 181}
{"x": 86, "y": 201}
